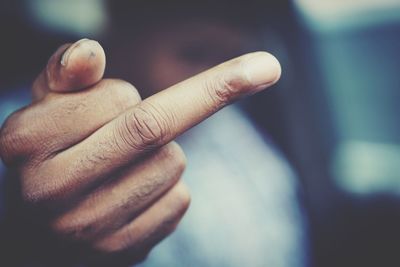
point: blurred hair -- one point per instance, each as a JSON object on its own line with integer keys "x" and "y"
{"x": 131, "y": 15}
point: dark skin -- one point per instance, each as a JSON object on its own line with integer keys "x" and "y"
{"x": 100, "y": 162}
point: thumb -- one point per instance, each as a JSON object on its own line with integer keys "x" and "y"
{"x": 71, "y": 68}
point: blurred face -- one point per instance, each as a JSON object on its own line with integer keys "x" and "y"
{"x": 167, "y": 54}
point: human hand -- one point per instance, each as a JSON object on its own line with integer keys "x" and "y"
{"x": 97, "y": 165}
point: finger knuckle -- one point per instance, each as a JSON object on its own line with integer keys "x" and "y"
{"x": 5, "y": 144}
{"x": 40, "y": 198}
{"x": 76, "y": 229}
{"x": 39, "y": 195}
{"x": 43, "y": 186}
{"x": 175, "y": 154}
{"x": 123, "y": 94}
{"x": 110, "y": 246}
{"x": 58, "y": 106}
{"x": 13, "y": 139}
{"x": 121, "y": 240}
{"x": 127, "y": 253}
{"x": 33, "y": 198}
{"x": 145, "y": 127}
{"x": 182, "y": 199}
{"x": 224, "y": 88}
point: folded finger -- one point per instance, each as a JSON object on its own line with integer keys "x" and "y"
{"x": 135, "y": 240}
{"x": 114, "y": 204}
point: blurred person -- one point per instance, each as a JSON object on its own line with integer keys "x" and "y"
{"x": 96, "y": 165}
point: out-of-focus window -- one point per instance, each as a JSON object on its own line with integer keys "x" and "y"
{"x": 330, "y": 15}
{"x": 85, "y": 18}
{"x": 357, "y": 48}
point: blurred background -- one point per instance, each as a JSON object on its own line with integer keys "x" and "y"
{"x": 334, "y": 113}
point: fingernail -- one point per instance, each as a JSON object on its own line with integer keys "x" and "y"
{"x": 68, "y": 52}
{"x": 262, "y": 69}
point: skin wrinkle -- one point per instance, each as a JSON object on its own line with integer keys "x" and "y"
{"x": 127, "y": 132}
{"x": 166, "y": 121}
{"x": 217, "y": 99}
{"x": 148, "y": 124}
{"x": 119, "y": 136}
{"x": 232, "y": 81}
{"x": 226, "y": 87}
{"x": 171, "y": 117}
